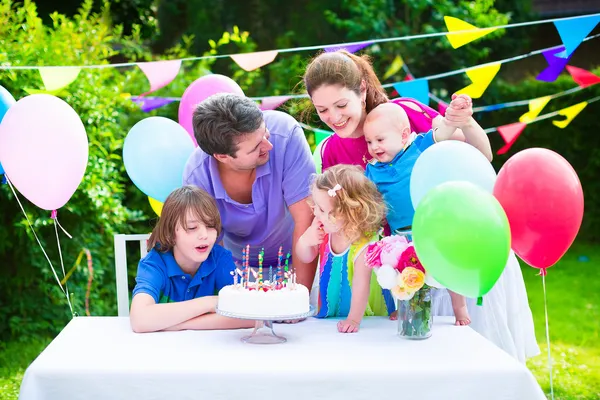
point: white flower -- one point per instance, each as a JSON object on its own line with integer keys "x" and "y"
{"x": 386, "y": 276}
{"x": 430, "y": 281}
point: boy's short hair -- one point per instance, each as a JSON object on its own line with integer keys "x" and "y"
{"x": 174, "y": 213}
{"x": 222, "y": 120}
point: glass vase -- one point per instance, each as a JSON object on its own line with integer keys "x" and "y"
{"x": 414, "y": 316}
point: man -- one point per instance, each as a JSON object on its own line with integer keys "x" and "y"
{"x": 257, "y": 165}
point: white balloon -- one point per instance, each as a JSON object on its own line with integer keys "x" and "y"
{"x": 386, "y": 276}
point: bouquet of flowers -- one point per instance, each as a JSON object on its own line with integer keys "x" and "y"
{"x": 398, "y": 269}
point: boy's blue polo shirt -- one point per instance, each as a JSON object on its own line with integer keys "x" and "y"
{"x": 160, "y": 276}
{"x": 393, "y": 181}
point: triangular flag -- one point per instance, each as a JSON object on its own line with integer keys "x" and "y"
{"x": 582, "y": 77}
{"x": 394, "y": 67}
{"x": 573, "y": 31}
{"x": 148, "y": 104}
{"x": 510, "y": 134}
{"x": 555, "y": 65}
{"x": 350, "y": 48}
{"x": 481, "y": 78}
{"x": 570, "y": 113}
{"x": 417, "y": 89}
{"x": 535, "y": 107}
{"x": 272, "y": 102}
{"x": 409, "y": 77}
{"x": 460, "y": 39}
{"x": 442, "y": 107}
{"x": 156, "y": 205}
{"x": 321, "y": 135}
{"x": 251, "y": 61}
{"x": 159, "y": 73}
{"x": 56, "y": 78}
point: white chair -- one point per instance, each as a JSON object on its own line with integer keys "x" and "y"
{"x": 121, "y": 268}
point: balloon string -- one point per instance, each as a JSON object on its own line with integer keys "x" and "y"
{"x": 54, "y": 216}
{"x": 548, "y": 337}
{"x": 40, "y": 243}
{"x": 62, "y": 264}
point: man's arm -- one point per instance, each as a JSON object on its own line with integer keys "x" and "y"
{"x": 148, "y": 316}
{"x": 302, "y": 215}
{"x": 212, "y": 322}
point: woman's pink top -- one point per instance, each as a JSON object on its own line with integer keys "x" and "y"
{"x": 337, "y": 150}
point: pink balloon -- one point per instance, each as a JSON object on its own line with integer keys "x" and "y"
{"x": 44, "y": 149}
{"x": 199, "y": 90}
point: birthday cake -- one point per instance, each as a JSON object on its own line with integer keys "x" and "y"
{"x": 254, "y": 296}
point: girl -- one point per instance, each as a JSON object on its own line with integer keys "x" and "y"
{"x": 344, "y": 88}
{"x": 177, "y": 281}
{"x": 348, "y": 212}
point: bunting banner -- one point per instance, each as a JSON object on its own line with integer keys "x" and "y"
{"x": 460, "y": 39}
{"x": 251, "y": 61}
{"x": 535, "y": 108}
{"x": 417, "y": 89}
{"x": 555, "y": 64}
{"x": 57, "y": 78}
{"x": 350, "y": 48}
{"x": 510, "y": 134}
{"x": 573, "y": 31}
{"x": 148, "y": 104}
{"x": 569, "y": 113}
{"x": 159, "y": 73}
{"x": 272, "y": 102}
{"x": 582, "y": 77}
{"x": 394, "y": 67}
{"x": 481, "y": 78}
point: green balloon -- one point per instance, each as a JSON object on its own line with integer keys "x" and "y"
{"x": 462, "y": 237}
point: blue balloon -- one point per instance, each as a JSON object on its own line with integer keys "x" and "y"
{"x": 6, "y": 102}
{"x": 155, "y": 152}
{"x": 450, "y": 160}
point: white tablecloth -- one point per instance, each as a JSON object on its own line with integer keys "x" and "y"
{"x": 101, "y": 358}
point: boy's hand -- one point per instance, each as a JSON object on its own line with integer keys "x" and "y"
{"x": 348, "y": 326}
{"x": 459, "y": 111}
{"x": 315, "y": 234}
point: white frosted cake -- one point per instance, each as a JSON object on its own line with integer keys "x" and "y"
{"x": 287, "y": 301}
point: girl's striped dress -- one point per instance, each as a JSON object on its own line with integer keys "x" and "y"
{"x": 335, "y": 283}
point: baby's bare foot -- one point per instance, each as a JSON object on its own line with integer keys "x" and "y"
{"x": 462, "y": 316}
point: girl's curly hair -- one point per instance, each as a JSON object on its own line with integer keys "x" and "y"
{"x": 357, "y": 203}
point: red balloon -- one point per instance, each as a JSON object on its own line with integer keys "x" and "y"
{"x": 542, "y": 196}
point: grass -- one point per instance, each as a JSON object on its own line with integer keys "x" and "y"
{"x": 573, "y": 292}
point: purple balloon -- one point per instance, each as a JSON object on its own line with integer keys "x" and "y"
{"x": 199, "y": 90}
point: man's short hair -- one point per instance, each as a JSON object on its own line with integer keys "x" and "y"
{"x": 222, "y": 120}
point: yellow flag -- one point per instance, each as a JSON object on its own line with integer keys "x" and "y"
{"x": 156, "y": 205}
{"x": 535, "y": 107}
{"x": 570, "y": 113}
{"x": 394, "y": 67}
{"x": 460, "y": 39}
{"x": 481, "y": 78}
{"x": 56, "y": 78}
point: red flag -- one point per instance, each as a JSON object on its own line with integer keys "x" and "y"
{"x": 510, "y": 134}
{"x": 582, "y": 77}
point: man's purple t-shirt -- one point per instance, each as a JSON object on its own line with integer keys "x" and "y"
{"x": 281, "y": 182}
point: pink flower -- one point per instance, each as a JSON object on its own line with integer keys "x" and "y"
{"x": 373, "y": 255}
{"x": 392, "y": 249}
{"x": 409, "y": 259}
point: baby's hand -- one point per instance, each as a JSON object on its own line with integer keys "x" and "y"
{"x": 315, "y": 234}
{"x": 459, "y": 111}
{"x": 348, "y": 326}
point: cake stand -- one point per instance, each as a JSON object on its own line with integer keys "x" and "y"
{"x": 263, "y": 332}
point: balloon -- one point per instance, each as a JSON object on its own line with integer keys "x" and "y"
{"x": 447, "y": 161}
{"x": 156, "y": 205}
{"x": 44, "y": 149}
{"x": 199, "y": 90}
{"x": 462, "y": 237}
{"x": 543, "y": 200}
{"x": 154, "y": 153}
{"x": 6, "y": 102}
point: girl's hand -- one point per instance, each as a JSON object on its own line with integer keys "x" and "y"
{"x": 459, "y": 111}
{"x": 314, "y": 235}
{"x": 348, "y": 326}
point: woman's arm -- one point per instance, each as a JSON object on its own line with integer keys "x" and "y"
{"x": 361, "y": 287}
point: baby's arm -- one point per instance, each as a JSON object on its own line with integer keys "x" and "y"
{"x": 361, "y": 286}
{"x": 148, "y": 316}
{"x": 212, "y": 322}
{"x": 459, "y": 305}
{"x": 307, "y": 247}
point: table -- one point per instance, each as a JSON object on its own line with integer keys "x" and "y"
{"x": 101, "y": 358}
